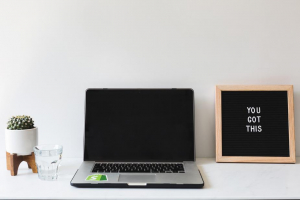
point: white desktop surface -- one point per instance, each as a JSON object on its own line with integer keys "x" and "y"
{"x": 222, "y": 181}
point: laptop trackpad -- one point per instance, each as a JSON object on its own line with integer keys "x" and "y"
{"x": 136, "y": 178}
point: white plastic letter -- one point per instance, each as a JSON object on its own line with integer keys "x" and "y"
{"x": 249, "y": 119}
{"x": 259, "y": 128}
{"x": 248, "y": 109}
{"x": 258, "y": 119}
{"x": 247, "y": 127}
{"x": 257, "y": 109}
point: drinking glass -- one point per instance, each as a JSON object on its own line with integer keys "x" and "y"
{"x": 47, "y": 159}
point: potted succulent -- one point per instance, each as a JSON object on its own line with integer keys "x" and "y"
{"x": 21, "y": 135}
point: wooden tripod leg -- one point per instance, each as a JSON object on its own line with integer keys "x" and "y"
{"x": 30, "y": 159}
{"x": 15, "y": 161}
{"x": 8, "y": 161}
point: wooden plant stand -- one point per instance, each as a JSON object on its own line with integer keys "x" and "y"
{"x": 13, "y": 161}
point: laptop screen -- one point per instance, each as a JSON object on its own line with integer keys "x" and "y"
{"x": 139, "y": 125}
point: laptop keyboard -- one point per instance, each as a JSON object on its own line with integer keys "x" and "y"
{"x": 138, "y": 168}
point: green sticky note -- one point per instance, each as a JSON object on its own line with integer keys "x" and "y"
{"x": 96, "y": 177}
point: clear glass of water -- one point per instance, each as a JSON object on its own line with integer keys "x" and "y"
{"x": 47, "y": 159}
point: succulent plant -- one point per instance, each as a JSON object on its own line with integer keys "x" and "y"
{"x": 20, "y": 123}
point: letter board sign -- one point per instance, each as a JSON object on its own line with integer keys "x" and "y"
{"x": 255, "y": 124}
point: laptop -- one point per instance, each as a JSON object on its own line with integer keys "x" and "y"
{"x": 139, "y": 138}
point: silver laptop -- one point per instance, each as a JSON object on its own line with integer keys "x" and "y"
{"x": 139, "y": 138}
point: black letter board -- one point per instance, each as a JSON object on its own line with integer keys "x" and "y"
{"x": 255, "y": 124}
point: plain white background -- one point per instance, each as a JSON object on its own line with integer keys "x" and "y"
{"x": 51, "y": 51}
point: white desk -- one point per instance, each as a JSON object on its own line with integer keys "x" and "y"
{"x": 222, "y": 181}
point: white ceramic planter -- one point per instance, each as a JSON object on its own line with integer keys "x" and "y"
{"x": 21, "y": 142}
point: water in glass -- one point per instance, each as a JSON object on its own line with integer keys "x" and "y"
{"x": 48, "y": 158}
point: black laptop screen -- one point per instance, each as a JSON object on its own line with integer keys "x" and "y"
{"x": 139, "y": 125}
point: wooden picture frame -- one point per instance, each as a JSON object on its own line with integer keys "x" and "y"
{"x": 255, "y": 159}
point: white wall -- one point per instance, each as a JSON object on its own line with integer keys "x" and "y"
{"x": 51, "y": 51}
